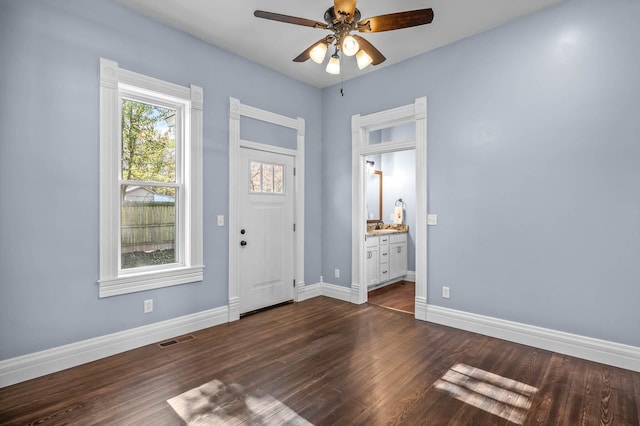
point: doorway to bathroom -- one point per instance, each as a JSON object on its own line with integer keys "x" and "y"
{"x": 391, "y": 133}
{"x": 390, "y": 206}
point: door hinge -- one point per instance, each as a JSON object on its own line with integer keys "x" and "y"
{"x": 294, "y": 283}
{"x": 294, "y": 227}
{"x": 294, "y": 171}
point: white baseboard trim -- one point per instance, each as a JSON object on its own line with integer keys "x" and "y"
{"x": 421, "y": 308}
{"x": 602, "y": 351}
{"x": 411, "y": 276}
{"x": 324, "y": 289}
{"x": 38, "y": 364}
{"x": 309, "y": 291}
{"x": 336, "y": 291}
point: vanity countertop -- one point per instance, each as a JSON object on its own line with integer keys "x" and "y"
{"x": 387, "y": 229}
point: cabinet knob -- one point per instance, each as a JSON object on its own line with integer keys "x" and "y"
{"x": 399, "y": 249}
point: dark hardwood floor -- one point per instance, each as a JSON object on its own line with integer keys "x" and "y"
{"x": 329, "y": 362}
{"x": 400, "y": 296}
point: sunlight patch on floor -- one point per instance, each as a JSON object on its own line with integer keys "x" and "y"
{"x": 217, "y": 403}
{"x": 490, "y": 392}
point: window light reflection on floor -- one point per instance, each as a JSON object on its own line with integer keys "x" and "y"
{"x": 218, "y": 403}
{"x": 487, "y": 391}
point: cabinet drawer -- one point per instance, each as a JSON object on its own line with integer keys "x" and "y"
{"x": 384, "y": 254}
{"x": 384, "y": 272}
{"x": 371, "y": 241}
{"x": 384, "y": 240}
{"x": 398, "y": 238}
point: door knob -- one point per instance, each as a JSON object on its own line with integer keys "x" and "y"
{"x": 243, "y": 243}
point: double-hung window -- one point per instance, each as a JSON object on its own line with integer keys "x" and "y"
{"x": 150, "y": 182}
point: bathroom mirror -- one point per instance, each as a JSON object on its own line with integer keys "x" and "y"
{"x": 374, "y": 196}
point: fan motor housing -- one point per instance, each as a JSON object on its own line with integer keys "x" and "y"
{"x": 331, "y": 19}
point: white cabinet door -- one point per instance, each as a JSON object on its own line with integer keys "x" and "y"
{"x": 371, "y": 263}
{"x": 398, "y": 256}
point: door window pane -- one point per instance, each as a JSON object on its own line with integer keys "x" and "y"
{"x": 266, "y": 178}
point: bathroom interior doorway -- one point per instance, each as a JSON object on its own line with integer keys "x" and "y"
{"x": 390, "y": 203}
{"x": 390, "y": 131}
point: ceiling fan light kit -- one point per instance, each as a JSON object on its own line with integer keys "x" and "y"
{"x": 318, "y": 52}
{"x": 363, "y": 59}
{"x": 333, "y": 67}
{"x": 350, "y": 45}
{"x": 341, "y": 20}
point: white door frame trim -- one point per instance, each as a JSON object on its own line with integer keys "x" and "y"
{"x": 236, "y": 110}
{"x": 361, "y": 125}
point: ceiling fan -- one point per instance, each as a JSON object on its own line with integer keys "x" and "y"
{"x": 343, "y": 18}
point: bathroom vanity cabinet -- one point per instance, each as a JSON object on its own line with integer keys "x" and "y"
{"x": 385, "y": 258}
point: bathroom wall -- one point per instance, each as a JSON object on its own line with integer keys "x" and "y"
{"x": 400, "y": 182}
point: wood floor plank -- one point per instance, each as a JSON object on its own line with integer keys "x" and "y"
{"x": 399, "y": 296}
{"x": 329, "y": 362}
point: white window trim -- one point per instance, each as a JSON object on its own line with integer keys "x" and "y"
{"x": 112, "y": 281}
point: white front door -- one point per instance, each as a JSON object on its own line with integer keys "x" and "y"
{"x": 266, "y": 229}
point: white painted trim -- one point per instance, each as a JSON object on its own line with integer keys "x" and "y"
{"x": 141, "y": 282}
{"x": 115, "y": 81}
{"x": 411, "y": 276}
{"x": 361, "y": 125}
{"x": 267, "y": 148}
{"x": 236, "y": 111}
{"x": 38, "y": 364}
{"x": 325, "y": 289}
{"x": 605, "y": 352}
{"x": 310, "y": 291}
{"x": 336, "y": 292}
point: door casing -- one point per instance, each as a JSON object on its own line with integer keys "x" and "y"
{"x": 361, "y": 126}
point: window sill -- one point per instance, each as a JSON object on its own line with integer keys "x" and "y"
{"x": 149, "y": 281}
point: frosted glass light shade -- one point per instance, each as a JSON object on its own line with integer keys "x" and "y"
{"x": 318, "y": 53}
{"x": 350, "y": 46}
{"x": 333, "y": 67}
{"x": 363, "y": 59}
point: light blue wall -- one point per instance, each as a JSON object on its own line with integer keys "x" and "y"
{"x": 533, "y": 154}
{"x": 50, "y": 51}
{"x": 533, "y": 166}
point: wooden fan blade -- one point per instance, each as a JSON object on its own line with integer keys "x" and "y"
{"x": 289, "y": 19}
{"x": 376, "y": 56}
{"x": 345, "y": 7}
{"x": 396, "y": 21}
{"x": 307, "y": 53}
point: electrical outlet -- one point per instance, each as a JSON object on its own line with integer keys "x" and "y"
{"x": 445, "y": 292}
{"x": 148, "y": 306}
{"x": 337, "y": 273}
{"x": 220, "y": 220}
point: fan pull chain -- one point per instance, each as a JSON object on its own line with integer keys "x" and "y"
{"x": 341, "y": 79}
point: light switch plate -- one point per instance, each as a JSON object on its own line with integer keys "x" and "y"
{"x": 432, "y": 219}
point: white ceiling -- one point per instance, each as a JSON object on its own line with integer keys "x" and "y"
{"x": 232, "y": 26}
